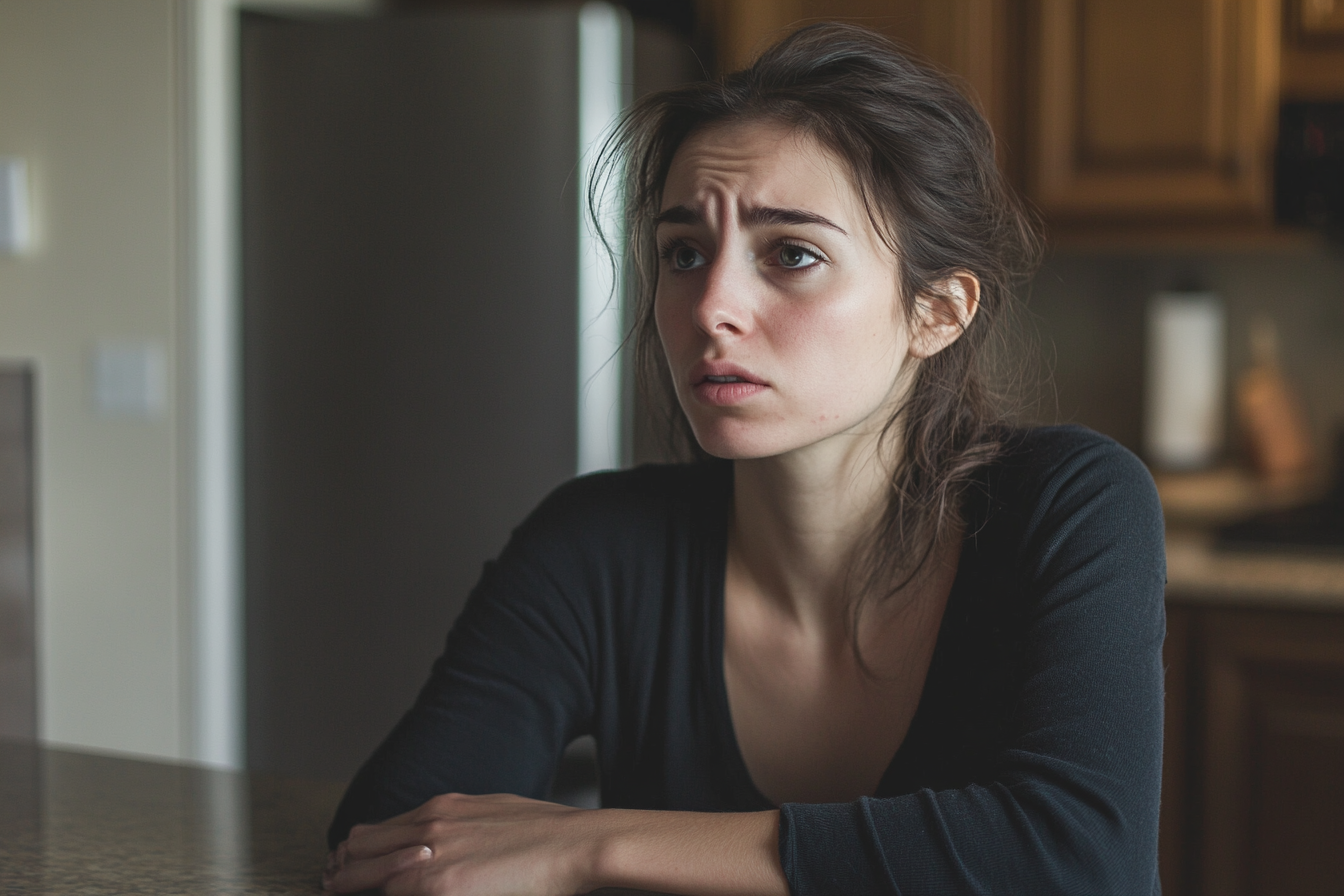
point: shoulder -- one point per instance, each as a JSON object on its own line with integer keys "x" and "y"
{"x": 1052, "y": 453}
{"x": 612, "y": 513}
{"x": 1071, "y": 496}
{"x": 623, "y": 498}
{"x": 1062, "y": 467}
{"x": 597, "y": 545}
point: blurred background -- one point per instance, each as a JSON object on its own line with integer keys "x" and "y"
{"x": 298, "y": 317}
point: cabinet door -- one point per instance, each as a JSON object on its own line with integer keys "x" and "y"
{"x": 968, "y": 38}
{"x": 1154, "y": 108}
{"x": 1273, "y": 788}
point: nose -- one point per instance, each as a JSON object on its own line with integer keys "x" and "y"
{"x": 723, "y": 308}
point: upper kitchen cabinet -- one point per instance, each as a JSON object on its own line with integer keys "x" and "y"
{"x": 1152, "y": 109}
{"x": 1122, "y": 118}
{"x": 970, "y": 38}
{"x": 1313, "y": 50}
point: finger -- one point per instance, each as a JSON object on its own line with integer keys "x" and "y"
{"x": 367, "y": 841}
{"x": 436, "y": 805}
{"x": 368, "y": 874}
{"x": 419, "y": 812}
{"x": 405, "y": 817}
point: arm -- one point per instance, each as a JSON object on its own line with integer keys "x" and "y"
{"x": 529, "y": 626}
{"x": 512, "y": 687}
{"x": 510, "y": 690}
{"x": 467, "y": 845}
{"x": 1071, "y": 803}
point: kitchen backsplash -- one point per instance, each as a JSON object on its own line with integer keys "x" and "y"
{"x": 1085, "y": 311}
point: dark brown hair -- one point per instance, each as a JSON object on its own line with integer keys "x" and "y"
{"x": 922, "y": 161}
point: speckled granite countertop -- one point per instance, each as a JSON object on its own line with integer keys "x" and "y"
{"x": 74, "y": 823}
{"x": 1196, "y": 573}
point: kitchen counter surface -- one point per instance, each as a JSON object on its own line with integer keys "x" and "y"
{"x": 1197, "y": 503}
{"x": 80, "y": 823}
{"x": 1196, "y": 573}
{"x": 77, "y": 823}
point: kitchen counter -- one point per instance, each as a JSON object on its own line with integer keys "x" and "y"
{"x": 1197, "y": 503}
{"x": 1196, "y": 573}
{"x": 77, "y": 823}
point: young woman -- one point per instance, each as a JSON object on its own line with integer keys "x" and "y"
{"x": 872, "y": 641}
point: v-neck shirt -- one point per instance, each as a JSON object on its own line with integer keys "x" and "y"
{"x": 1033, "y": 760}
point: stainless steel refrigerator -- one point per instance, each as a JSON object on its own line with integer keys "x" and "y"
{"x": 414, "y": 369}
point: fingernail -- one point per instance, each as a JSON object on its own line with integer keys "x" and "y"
{"x": 426, "y": 852}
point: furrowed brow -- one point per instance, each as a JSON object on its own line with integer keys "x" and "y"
{"x": 679, "y": 214}
{"x": 760, "y": 216}
{"x": 767, "y": 216}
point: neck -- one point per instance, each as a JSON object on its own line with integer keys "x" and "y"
{"x": 798, "y": 520}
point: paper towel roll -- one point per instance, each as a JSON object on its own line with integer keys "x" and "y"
{"x": 1185, "y": 389}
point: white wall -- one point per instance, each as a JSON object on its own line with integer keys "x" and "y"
{"x": 88, "y": 96}
{"x": 122, "y": 109}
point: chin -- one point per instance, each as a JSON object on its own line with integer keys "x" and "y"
{"x": 738, "y": 440}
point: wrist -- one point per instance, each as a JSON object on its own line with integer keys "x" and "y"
{"x": 691, "y": 852}
{"x": 599, "y": 855}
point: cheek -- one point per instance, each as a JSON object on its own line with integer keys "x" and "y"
{"x": 846, "y": 363}
{"x": 846, "y": 342}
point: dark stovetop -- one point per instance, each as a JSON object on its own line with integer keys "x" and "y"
{"x": 1312, "y": 527}
{"x": 1315, "y": 527}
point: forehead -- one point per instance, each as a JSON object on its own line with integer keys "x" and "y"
{"x": 761, "y": 163}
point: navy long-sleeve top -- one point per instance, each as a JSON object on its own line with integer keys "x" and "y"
{"x": 1032, "y": 765}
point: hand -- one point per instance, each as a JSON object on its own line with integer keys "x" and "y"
{"x": 466, "y": 845}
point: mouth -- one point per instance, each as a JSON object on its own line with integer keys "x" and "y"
{"x": 719, "y": 384}
{"x": 722, "y": 373}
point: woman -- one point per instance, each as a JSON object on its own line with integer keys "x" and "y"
{"x": 871, "y": 641}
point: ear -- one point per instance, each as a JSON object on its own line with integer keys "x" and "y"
{"x": 944, "y": 313}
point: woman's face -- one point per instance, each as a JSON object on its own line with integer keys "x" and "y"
{"x": 778, "y": 304}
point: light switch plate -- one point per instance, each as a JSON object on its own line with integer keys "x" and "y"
{"x": 130, "y": 379}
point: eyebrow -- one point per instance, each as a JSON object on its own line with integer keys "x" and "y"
{"x": 756, "y": 216}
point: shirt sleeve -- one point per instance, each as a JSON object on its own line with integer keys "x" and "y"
{"x": 510, "y": 690}
{"x": 1072, "y": 804}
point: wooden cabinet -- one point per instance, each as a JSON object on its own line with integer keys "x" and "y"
{"x": 1313, "y": 51}
{"x": 1273, "y": 791}
{"x": 1253, "y": 789}
{"x": 1173, "y": 844}
{"x": 974, "y": 39}
{"x": 1153, "y": 108}
{"x": 1110, "y": 112}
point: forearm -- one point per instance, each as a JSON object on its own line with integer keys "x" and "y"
{"x": 693, "y": 853}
